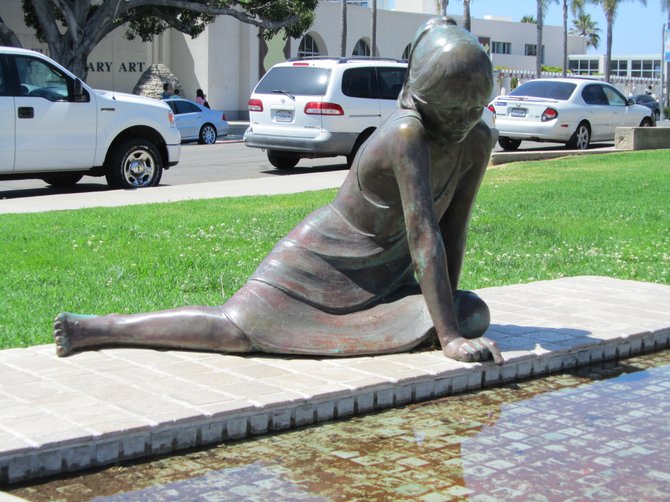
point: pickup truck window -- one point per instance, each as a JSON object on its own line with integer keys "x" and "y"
{"x": 38, "y": 79}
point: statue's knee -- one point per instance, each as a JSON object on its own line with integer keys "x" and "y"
{"x": 472, "y": 313}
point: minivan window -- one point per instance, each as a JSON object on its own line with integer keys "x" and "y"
{"x": 359, "y": 83}
{"x": 303, "y": 80}
{"x": 543, "y": 89}
{"x": 390, "y": 82}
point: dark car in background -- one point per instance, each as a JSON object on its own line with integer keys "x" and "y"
{"x": 649, "y": 101}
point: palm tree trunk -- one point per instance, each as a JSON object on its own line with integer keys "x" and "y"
{"x": 373, "y": 29}
{"x": 466, "y": 15}
{"x": 538, "y": 48}
{"x": 565, "y": 38}
{"x": 608, "y": 51}
{"x": 343, "y": 28}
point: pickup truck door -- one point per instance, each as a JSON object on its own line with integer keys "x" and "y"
{"x": 53, "y": 131}
{"x": 7, "y": 121}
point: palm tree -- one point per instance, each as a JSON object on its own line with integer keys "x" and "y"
{"x": 665, "y": 7}
{"x": 575, "y": 6}
{"x": 373, "y": 29}
{"x": 466, "y": 15}
{"x": 584, "y": 26}
{"x": 528, "y": 19}
{"x": 343, "y": 28}
{"x": 610, "y": 8}
{"x": 442, "y": 7}
{"x": 542, "y": 6}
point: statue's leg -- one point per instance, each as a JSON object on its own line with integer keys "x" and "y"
{"x": 192, "y": 328}
{"x": 472, "y": 313}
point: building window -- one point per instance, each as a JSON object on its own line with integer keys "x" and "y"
{"x": 531, "y": 50}
{"x": 361, "y": 49}
{"x": 619, "y": 67}
{"x": 645, "y": 68}
{"x": 584, "y": 66}
{"x": 308, "y": 47}
{"x": 501, "y": 47}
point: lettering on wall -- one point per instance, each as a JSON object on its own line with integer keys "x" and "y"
{"x": 125, "y": 67}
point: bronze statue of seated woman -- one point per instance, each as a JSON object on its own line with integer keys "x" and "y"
{"x": 375, "y": 271}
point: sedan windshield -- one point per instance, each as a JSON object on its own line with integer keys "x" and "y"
{"x": 545, "y": 89}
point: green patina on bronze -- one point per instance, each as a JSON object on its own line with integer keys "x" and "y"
{"x": 377, "y": 270}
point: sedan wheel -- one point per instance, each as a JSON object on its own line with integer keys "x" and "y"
{"x": 509, "y": 144}
{"x": 207, "y": 135}
{"x": 581, "y": 138}
{"x": 646, "y": 122}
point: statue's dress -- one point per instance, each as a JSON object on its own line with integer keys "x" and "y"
{"x": 328, "y": 288}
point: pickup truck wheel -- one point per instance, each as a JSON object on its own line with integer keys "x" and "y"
{"x": 134, "y": 163}
{"x": 283, "y": 160}
{"x": 62, "y": 180}
{"x": 207, "y": 135}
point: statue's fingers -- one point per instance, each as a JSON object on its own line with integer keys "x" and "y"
{"x": 493, "y": 349}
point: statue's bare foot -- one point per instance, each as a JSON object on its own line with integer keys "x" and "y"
{"x": 66, "y": 330}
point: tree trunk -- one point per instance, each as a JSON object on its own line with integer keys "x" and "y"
{"x": 343, "y": 28}
{"x": 373, "y": 29}
{"x": 538, "y": 48}
{"x": 565, "y": 38}
{"x": 467, "y": 22}
{"x": 608, "y": 52}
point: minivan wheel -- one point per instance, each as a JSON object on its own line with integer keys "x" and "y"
{"x": 134, "y": 163}
{"x": 283, "y": 160}
{"x": 580, "y": 138}
{"x": 207, "y": 135}
{"x": 508, "y": 144}
{"x": 62, "y": 180}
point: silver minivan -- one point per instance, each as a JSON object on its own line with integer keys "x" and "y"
{"x": 321, "y": 107}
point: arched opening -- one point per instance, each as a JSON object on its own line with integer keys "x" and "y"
{"x": 361, "y": 48}
{"x": 308, "y": 47}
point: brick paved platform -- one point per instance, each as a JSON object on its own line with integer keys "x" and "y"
{"x": 96, "y": 408}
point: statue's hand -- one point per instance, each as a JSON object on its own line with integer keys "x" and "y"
{"x": 476, "y": 349}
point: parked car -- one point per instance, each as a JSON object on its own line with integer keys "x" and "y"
{"x": 321, "y": 107}
{"x": 197, "y": 122}
{"x": 649, "y": 101}
{"x": 56, "y": 128}
{"x": 573, "y": 111}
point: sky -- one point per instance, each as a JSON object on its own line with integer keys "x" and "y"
{"x": 637, "y": 29}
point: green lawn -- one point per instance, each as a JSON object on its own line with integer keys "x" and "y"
{"x": 590, "y": 215}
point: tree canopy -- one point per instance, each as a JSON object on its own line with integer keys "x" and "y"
{"x": 73, "y": 28}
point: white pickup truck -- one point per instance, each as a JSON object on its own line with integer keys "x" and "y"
{"x": 56, "y": 128}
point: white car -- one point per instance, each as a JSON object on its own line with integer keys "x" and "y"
{"x": 58, "y": 129}
{"x": 197, "y": 122}
{"x": 573, "y": 111}
{"x": 321, "y": 107}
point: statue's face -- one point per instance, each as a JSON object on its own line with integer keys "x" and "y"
{"x": 453, "y": 114}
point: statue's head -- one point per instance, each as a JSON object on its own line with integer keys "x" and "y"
{"x": 449, "y": 79}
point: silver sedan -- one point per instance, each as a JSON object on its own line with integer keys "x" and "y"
{"x": 196, "y": 122}
{"x": 573, "y": 111}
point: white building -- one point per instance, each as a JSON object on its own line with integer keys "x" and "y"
{"x": 228, "y": 59}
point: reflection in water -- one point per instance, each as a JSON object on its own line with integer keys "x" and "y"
{"x": 604, "y": 441}
{"x": 563, "y": 437}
